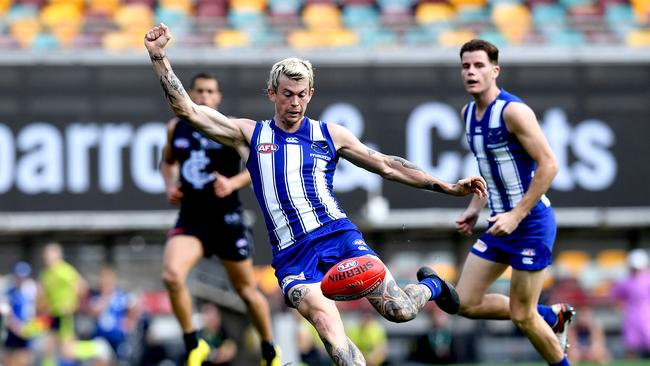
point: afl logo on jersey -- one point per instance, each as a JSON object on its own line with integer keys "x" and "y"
{"x": 266, "y": 148}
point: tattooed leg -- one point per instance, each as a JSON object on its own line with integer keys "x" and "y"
{"x": 297, "y": 294}
{"x": 398, "y": 305}
{"x": 341, "y": 356}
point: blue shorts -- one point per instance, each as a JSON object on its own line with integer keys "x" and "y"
{"x": 308, "y": 260}
{"x": 528, "y": 248}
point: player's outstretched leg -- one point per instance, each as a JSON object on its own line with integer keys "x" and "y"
{"x": 399, "y": 305}
{"x": 447, "y": 298}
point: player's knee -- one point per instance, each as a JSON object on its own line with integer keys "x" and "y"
{"x": 522, "y": 318}
{"x": 246, "y": 292}
{"x": 323, "y": 324}
{"x": 172, "y": 279}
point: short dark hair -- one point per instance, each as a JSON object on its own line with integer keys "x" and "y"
{"x": 481, "y": 45}
{"x": 203, "y": 75}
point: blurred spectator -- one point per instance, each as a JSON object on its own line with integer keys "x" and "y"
{"x": 223, "y": 349}
{"x": 21, "y": 296}
{"x": 61, "y": 287}
{"x": 115, "y": 313}
{"x": 311, "y": 348}
{"x": 634, "y": 293}
{"x": 587, "y": 339}
{"x": 370, "y": 336}
{"x": 437, "y": 345}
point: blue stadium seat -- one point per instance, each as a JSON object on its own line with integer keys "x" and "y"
{"x": 377, "y": 37}
{"x": 620, "y": 18}
{"x": 246, "y": 20}
{"x": 495, "y": 37}
{"x": 45, "y": 41}
{"x": 566, "y": 38}
{"x": 360, "y": 16}
{"x": 176, "y": 19}
{"x": 545, "y": 15}
{"x": 421, "y": 36}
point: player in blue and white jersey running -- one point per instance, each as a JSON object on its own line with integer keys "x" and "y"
{"x": 518, "y": 165}
{"x": 291, "y": 159}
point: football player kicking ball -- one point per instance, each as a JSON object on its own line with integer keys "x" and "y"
{"x": 291, "y": 159}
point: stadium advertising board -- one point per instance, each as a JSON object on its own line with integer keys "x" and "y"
{"x": 90, "y": 137}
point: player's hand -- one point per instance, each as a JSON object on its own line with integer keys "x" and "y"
{"x": 174, "y": 194}
{"x": 470, "y": 185}
{"x": 156, "y": 39}
{"x": 503, "y": 223}
{"x": 465, "y": 222}
{"x": 223, "y": 186}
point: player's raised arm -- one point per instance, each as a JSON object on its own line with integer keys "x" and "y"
{"x": 212, "y": 123}
{"x": 399, "y": 169}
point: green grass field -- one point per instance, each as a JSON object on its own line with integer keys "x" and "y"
{"x": 613, "y": 363}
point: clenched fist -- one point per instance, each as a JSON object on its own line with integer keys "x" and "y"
{"x": 157, "y": 38}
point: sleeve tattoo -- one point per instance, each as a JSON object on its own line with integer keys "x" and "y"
{"x": 172, "y": 87}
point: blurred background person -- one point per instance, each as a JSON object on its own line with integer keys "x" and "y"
{"x": 310, "y": 347}
{"x": 115, "y": 313}
{"x": 587, "y": 339}
{"x": 369, "y": 334}
{"x": 222, "y": 348}
{"x": 21, "y": 297}
{"x": 61, "y": 288}
{"x": 634, "y": 294}
{"x": 436, "y": 346}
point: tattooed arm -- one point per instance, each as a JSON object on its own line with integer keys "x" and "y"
{"x": 398, "y": 169}
{"x": 232, "y": 132}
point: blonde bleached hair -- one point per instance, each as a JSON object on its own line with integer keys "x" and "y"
{"x": 293, "y": 68}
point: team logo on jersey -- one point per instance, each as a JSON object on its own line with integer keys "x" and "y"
{"x": 320, "y": 147}
{"x": 193, "y": 169}
{"x": 292, "y": 140}
{"x": 181, "y": 143}
{"x": 266, "y": 148}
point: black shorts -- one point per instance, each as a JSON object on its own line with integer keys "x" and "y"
{"x": 15, "y": 342}
{"x": 224, "y": 235}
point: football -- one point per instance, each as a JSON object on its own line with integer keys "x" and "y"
{"x": 353, "y": 278}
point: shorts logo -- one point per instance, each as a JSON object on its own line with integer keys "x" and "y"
{"x": 292, "y": 140}
{"x": 241, "y": 243}
{"x": 288, "y": 279}
{"x": 266, "y": 148}
{"x": 527, "y": 260}
{"x": 361, "y": 247}
{"x": 528, "y": 252}
{"x": 346, "y": 265}
{"x": 480, "y": 246}
{"x": 358, "y": 242}
{"x": 181, "y": 143}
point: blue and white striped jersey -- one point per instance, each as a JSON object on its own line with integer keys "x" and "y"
{"x": 292, "y": 176}
{"x": 504, "y": 164}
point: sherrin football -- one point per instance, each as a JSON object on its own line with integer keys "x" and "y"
{"x": 353, "y": 278}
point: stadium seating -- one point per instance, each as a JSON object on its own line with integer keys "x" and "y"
{"x": 119, "y": 24}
